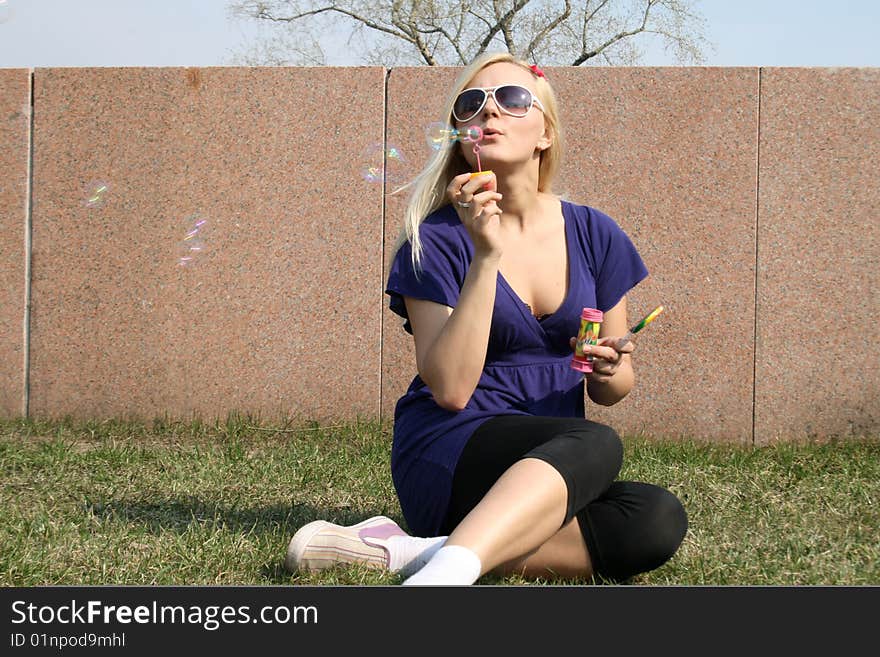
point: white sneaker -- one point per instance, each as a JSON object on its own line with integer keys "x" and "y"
{"x": 321, "y": 544}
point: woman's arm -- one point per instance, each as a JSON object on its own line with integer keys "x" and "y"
{"x": 451, "y": 343}
{"x": 612, "y": 377}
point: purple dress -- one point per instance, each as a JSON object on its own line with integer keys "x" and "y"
{"x": 527, "y": 369}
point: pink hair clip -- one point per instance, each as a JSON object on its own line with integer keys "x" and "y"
{"x": 537, "y": 71}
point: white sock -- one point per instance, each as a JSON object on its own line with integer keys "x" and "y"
{"x": 451, "y": 565}
{"x": 407, "y": 554}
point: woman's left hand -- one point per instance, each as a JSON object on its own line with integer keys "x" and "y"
{"x": 607, "y": 357}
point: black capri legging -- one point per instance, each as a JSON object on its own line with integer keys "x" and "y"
{"x": 629, "y": 527}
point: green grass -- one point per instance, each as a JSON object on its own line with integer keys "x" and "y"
{"x": 173, "y": 503}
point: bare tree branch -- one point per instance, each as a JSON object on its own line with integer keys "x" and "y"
{"x": 265, "y": 15}
{"x": 453, "y": 32}
{"x": 453, "y": 40}
{"x": 584, "y": 56}
{"x": 407, "y": 26}
{"x": 588, "y": 18}
{"x": 502, "y": 24}
{"x": 552, "y": 25}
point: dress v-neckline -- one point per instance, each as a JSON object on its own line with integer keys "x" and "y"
{"x": 524, "y": 308}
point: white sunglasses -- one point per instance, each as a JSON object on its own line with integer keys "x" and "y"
{"x": 512, "y": 99}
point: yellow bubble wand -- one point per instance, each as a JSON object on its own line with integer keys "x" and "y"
{"x": 647, "y": 319}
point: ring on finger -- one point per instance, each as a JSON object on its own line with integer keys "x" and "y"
{"x": 463, "y": 205}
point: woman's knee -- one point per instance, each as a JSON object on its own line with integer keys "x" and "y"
{"x": 636, "y": 527}
{"x": 588, "y": 456}
{"x": 600, "y": 445}
{"x": 670, "y": 523}
{"x": 611, "y": 444}
{"x": 664, "y": 525}
{"x": 594, "y": 442}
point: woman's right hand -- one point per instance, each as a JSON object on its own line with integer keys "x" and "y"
{"x": 476, "y": 202}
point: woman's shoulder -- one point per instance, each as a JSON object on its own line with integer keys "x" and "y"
{"x": 444, "y": 226}
{"x": 443, "y": 218}
{"x": 586, "y": 215}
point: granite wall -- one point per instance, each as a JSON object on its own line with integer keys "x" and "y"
{"x": 194, "y": 242}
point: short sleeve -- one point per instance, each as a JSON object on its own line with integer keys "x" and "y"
{"x": 617, "y": 265}
{"x": 444, "y": 261}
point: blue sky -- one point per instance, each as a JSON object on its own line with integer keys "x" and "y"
{"x": 37, "y": 33}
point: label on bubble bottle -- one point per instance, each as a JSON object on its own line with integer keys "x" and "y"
{"x": 588, "y": 334}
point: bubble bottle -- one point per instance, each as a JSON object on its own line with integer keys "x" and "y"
{"x": 588, "y": 334}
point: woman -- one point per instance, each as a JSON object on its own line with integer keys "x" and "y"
{"x": 495, "y": 466}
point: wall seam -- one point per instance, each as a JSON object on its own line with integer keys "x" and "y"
{"x": 757, "y": 261}
{"x": 382, "y": 247}
{"x": 28, "y": 223}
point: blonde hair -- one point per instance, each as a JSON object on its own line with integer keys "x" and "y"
{"x": 429, "y": 187}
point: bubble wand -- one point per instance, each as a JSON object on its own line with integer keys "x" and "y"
{"x": 475, "y": 135}
{"x": 647, "y": 319}
{"x": 440, "y": 135}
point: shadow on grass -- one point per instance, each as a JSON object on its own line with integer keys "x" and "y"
{"x": 273, "y": 522}
{"x": 190, "y": 513}
{"x": 185, "y": 513}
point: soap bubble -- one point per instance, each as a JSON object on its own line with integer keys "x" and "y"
{"x": 95, "y": 193}
{"x": 473, "y": 134}
{"x": 193, "y": 243}
{"x": 440, "y": 135}
{"x": 383, "y": 163}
